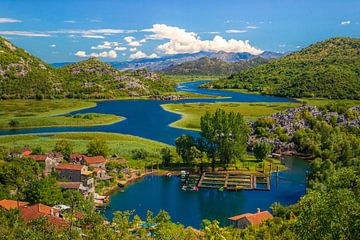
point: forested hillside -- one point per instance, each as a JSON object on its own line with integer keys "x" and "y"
{"x": 25, "y": 76}
{"x": 213, "y": 66}
{"x": 329, "y": 69}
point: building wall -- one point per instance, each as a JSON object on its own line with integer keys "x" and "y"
{"x": 71, "y": 175}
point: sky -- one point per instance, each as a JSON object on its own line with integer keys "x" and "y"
{"x": 122, "y": 30}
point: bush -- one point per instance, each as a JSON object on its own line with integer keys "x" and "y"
{"x": 139, "y": 154}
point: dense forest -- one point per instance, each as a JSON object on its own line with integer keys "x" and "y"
{"x": 329, "y": 69}
{"x": 213, "y": 66}
{"x": 25, "y": 76}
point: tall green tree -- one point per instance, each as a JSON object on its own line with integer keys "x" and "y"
{"x": 183, "y": 147}
{"x": 98, "y": 148}
{"x": 166, "y": 155}
{"x": 64, "y": 147}
{"x": 223, "y": 135}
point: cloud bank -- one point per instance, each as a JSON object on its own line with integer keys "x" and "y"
{"x": 109, "y": 54}
{"x": 181, "y": 41}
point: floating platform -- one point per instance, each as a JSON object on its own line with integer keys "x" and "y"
{"x": 234, "y": 181}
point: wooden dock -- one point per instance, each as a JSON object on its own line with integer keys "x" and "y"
{"x": 234, "y": 181}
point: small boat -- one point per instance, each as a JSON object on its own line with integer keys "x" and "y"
{"x": 168, "y": 174}
{"x": 221, "y": 189}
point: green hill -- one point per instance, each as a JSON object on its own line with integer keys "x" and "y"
{"x": 213, "y": 67}
{"x": 329, "y": 69}
{"x": 25, "y": 76}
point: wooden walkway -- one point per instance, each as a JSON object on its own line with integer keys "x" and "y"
{"x": 234, "y": 181}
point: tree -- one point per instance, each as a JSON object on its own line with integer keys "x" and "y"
{"x": 98, "y": 148}
{"x": 262, "y": 150}
{"x": 183, "y": 147}
{"x": 44, "y": 191}
{"x": 166, "y": 155}
{"x": 64, "y": 147}
{"x": 224, "y": 135}
{"x": 37, "y": 151}
{"x": 139, "y": 154}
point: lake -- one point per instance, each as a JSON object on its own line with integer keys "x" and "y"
{"x": 190, "y": 208}
{"x": 146, "y": 118}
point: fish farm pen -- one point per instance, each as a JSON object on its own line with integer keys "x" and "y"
{"x": 227, "y": 180}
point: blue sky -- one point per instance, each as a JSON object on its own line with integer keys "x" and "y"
{"x": 72, "y": 30}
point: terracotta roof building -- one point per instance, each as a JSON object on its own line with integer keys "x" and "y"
{"x": 36, "y": 211}
{"x": 246, "y": 219}
{"x": 11, "y": 204}
{"x": 94, "y": 160}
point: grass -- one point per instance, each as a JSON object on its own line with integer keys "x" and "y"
{"x": 33, "y": 113}
{"x": 190, "y": 78}
{"x": 323, "y": 101}
{"x": 192, "y": 112}
{"x": 119, "y": 144}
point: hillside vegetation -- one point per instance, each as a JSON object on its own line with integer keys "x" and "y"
{"x": 25, "y": 76}
{"x": 329, "y": 69}
{"x": 213, "y": 66}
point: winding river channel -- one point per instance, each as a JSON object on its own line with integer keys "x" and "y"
{"x": 147, "y": 119}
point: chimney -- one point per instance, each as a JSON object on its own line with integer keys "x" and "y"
{"x": 51, "y": 211}
{"x": 258, "y": 210}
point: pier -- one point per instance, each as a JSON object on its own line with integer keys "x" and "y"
{"x": 233, "y": 181}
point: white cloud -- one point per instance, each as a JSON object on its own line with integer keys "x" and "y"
{"x": 181, "y": 41}
{"x": 109, "y": 54}
{"x": 251, "y": 27}
{"x": 140, "y": 54}
{"x": 282, "y": 45}
{"x": 24, "y": 33}
{"x": 9, "y": 20}
{"x": 81, "y": 54}
{"x": 143, "y": 40}
{"x": 70, "y": 21}
{"x": 93, "y": 36}
{"x": 132, "y": 49}
{"x": 131, "y": 41}
{"x": 106, "y": 45}
{"x": 53, "y": 45}
{"x": 235, "y": 31}
{"x": 347, "y": 22}
{"x": 120, "y": 48}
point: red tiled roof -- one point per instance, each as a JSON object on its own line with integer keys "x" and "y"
{"x": 69, "y": 166}
{"x": 70, "y": 185}
{"x": 93, "y": 160}
{"x": 36, "y": 211}
{"x": 38, "y": 157}
{"x": 253, "y": 218}
{"x": 58, "y": 222}
{"x": 11, "y": 204}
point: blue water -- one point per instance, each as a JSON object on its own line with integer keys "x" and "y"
{"x": 190, "y": 208}
{"x": 146, "y": 118}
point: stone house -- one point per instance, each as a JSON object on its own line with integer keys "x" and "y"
{"x": 49, "y": 160}
{"x": 76, "y": 173}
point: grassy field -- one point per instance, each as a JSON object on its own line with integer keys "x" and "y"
{"x": 119, "y": 144}
{"x": 187, "y": 78}
{"x": 32, "y": 113}
{"x": 322, "y": 101}
{"x": 192, "y": 112}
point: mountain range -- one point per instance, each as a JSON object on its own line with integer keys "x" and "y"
{"x": 166, "y": 62}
